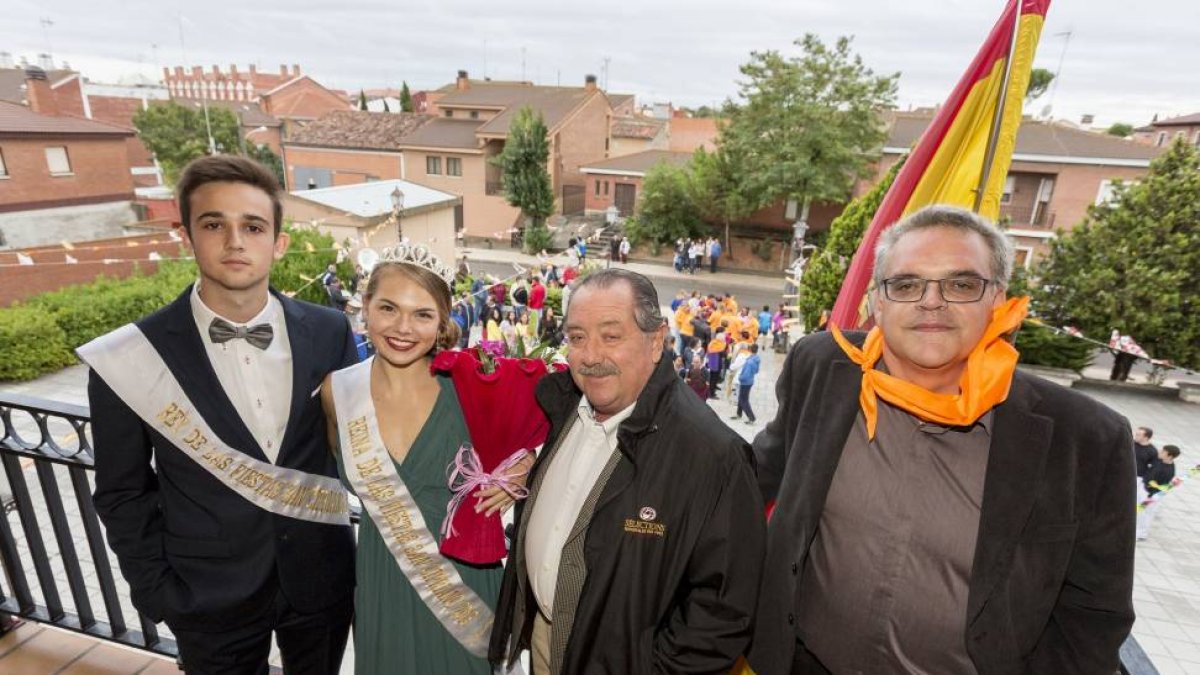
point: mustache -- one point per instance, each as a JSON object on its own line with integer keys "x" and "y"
{"x": 599, "y": 370}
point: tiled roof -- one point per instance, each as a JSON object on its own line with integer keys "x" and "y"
{"x": 17, "y": 119}
{"x": 555, "y": 103}
{"x": 359, "y": 129}
{"x": 12, "y": 81}
{"x": 444, "y": 133}
{"x": 637, "y": 127}
{"x": 251, "y": 114}
{"x": 1036, "y": 138}
{"x": 616, "y": 100}
{"x": 1184, "y": 120}
{"x": 638, "y": 163}
{"x": 453, "y": 86}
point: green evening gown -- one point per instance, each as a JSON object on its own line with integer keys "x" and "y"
{"x": 394, "y": 632}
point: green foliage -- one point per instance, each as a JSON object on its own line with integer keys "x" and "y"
{"x": 265, "y": 156}
{"x": 764, "y": 249}
{"x": 554, "y": 299}
{"x": 1041, "y": 345}
{"x": 808, "y": 126}
{"x": 299, "y": 266}
{"x": 1039, "y": 82}
{"x": 826, "y": 269}
{"x": 177, "y": 134}
{"x": 1120, "y": 130}
{"x": 362, "y": 100}
{"x": 716, "y": 188}
{"x": 31, "y": 344}
{"x": 1132, "y": 264}
{"x": 537, "y": 237}
{"x": 666, "y": 211}
{"x": 524, "y": 165}
{"x": 406, "y": 102}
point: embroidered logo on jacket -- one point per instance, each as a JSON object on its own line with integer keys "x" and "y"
{"x": 645, "y": 523}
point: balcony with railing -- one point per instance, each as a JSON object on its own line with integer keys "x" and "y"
{"x": 61, "y": 602}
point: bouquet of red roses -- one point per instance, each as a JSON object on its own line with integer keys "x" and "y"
{"x": 505, "y": 424}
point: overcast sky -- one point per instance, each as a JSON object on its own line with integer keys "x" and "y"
{"x": 1125, "y": 61}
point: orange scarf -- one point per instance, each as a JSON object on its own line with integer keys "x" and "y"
{"x": 983, "y": 386}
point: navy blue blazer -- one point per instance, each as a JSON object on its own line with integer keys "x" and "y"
{"x": 195, "y": 553}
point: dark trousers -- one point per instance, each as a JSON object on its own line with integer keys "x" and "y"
{"x": 309, "y": 644}
{"x": 712, "y": 264}
{"x": 806, "y": 663}
{"x": 743, "y": 404}
{"x": 714, "y": 383}
{"x": 1122, "y": 363}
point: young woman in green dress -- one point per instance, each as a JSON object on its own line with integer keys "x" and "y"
{"x": 416, "y": 426}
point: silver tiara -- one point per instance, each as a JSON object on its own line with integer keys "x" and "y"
{"x": 416, "y": 254}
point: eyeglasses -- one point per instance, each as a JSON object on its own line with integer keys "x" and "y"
{"x": 954, "y": 289}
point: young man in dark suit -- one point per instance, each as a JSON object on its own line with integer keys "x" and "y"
{"x": 938, "y": 510}
{"x": 214, "y": 477}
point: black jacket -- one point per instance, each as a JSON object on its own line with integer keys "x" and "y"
{"x": 1052, "y": 581}
{"x": 682, "y": 602}
{"x": 194, "y": 552}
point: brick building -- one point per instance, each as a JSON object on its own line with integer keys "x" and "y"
{"x": 618, "y": 181}
{"x": 1161, "y": 133}
{"x": 1056, "y": 173}
{"x": 450, "y": 147}
{"x": 62, "y": 177}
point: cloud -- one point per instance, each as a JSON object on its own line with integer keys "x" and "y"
{"x": 1121, "y": 64}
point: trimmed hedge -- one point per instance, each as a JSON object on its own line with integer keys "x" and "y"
{"x": 31, "y": 344}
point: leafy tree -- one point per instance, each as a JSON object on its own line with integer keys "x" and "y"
{"x": 1132, "y": 264}
{"x": 1039, "y": 82}
{"x": 406, "y": 102}
{"x": 1120, "y": 130}
{"x": 265, "y": 156}
{"x": 826, "y": 269}
{"x": 523, "y": 164}
{"x": 177, "y": 134}
{"x": 666, "y": 211}
{"x": 362, "y": 100}
{"x": 293, "y": 272}
{"x": 706, "y": 111}
{"x": 808, "y": 126}
{"x": 1041, "y": 344}
{"x": 715, "y": 188}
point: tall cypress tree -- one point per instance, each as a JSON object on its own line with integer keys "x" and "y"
{"x": 527, "y": 184}
{"x": 406, "y": 102}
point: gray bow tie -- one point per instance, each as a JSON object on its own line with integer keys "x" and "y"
{"x": 258, "y": 336}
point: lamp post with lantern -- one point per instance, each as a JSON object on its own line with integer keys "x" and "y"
{"x": 397, "y": 209}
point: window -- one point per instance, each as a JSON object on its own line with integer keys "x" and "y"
{"x": 1105, "y": 193}
{"x": 1162, "y": 138}
{"x": 453, "y": 166}
{"x": 605, "y": 188}
{"x": 1009, "y": 184}
{"x": 474, "y": 114}
{"x": 3, "y": 169}
{"x": 433, "y": 165}
{"x": 57, "y": 160}
{"x": 448, "y": 113}
{"x": 598, "y": 187}
{"x": 1196, "y": 139}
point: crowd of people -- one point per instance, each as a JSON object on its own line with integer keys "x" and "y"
{"x": 691, "y": 253}
{"x": 916, "y": 504}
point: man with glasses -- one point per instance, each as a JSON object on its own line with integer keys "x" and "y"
{"x": 936, "y": 510}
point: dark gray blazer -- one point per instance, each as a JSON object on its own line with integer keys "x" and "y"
{"x": 1051, "y": 586}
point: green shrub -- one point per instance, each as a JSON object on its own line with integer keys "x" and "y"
{"x": 554, "y": 299}
{"x": 31, "y": 344}
{"x": 1041, "y": 345}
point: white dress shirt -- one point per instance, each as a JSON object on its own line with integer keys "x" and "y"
{"x": 572, "y": 473}
{"x": 257, "y": 381}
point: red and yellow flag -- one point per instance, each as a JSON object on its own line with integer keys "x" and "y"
{"x": 947, "y": 164}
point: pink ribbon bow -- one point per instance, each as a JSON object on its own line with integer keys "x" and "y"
{"x": 467, "y": 475}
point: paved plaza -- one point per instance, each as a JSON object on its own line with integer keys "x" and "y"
{"x": 1167, "y": 583}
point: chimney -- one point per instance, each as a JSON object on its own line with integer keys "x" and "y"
{"x": 37, "y": 92}
{"x": 233, "y": 70}
{"x": 463, "y": 83}
{"x": 589, "y": 83}
{"x": 253, "y": 70}
{"x": 197, "y": 72}
{"x": 216, "y": 72}
{"x": 296, "y": 70}
{"x": 283, "y": 70}
{"x": 45, "y": 62}
{"x": 166, "y": 73}
{"x": 179, "y": 72}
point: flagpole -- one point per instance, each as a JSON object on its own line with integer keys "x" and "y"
{"x": 997, "y": 119}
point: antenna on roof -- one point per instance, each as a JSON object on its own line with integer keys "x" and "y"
{"x": 1057, "y": 71}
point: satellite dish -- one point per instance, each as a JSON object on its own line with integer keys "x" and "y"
{"x": 367, "y": 257}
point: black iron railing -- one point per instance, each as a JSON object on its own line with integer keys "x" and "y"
{"x": 51, "y": 439}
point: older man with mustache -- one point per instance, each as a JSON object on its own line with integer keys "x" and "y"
{"x": 640, "y": 547}
{"x": 938, "y": 511}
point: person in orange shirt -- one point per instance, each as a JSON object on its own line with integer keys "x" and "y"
{"x": 684, "y": 328}
{"x": 730, "y": 304}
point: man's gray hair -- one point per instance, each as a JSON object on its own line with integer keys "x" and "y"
{"x": 943, "y": 215}
{"x": 646, "y": 311}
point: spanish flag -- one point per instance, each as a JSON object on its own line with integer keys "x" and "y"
{"x": 950, "y": 161}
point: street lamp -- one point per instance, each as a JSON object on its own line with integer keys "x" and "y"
{"x": 397, "y": 208}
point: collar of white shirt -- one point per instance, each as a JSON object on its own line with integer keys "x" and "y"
{"x": 587, "y": 415}
{"x": 204, "y": 315}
